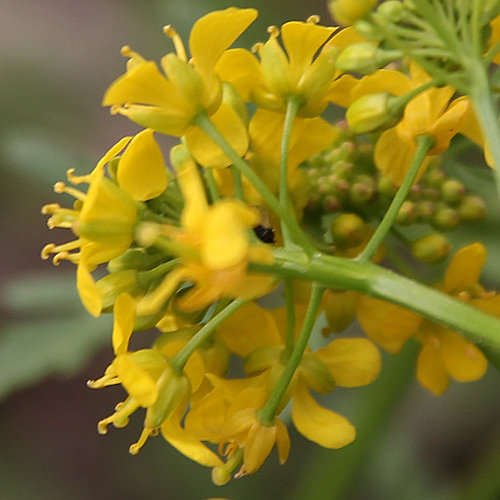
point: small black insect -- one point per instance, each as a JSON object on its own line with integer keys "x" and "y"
{"x": 265, "y": 234}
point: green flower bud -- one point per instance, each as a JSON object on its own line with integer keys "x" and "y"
{"x": 362, "y": 190}
{"x": 452, "y": 191}
{"x": 425, "y": 210}
{"x": 331, "y": 204}
{"x": 431, "y": 249}
{"x": 445, "y": 218}
{"x": 407, "y": 213}
{"x": 347, "y": 12}
{"x": 386, "y": 188}
{"x": 365, "y": 58}
{"x": 114, "y": 284}
{"x": 392, "y": 10}
{"x": 374, "y": 112}
{"x": 340, "y": 309}
{"x": 434, "y": 177}
{"x": 471, "y": 208}
{"x": 369, "y": 31}
{"x": 348, "y": 230}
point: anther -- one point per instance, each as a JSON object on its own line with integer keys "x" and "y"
{"x": 47, "y": 250}
{"x": 50, "y": 208}
{"x": 273, "y": 31}
{"x": 256, "y": 48}
{"x": 177, "y": 41}
{"x": 126, "y": 51}
{"x": 314, "y": 19}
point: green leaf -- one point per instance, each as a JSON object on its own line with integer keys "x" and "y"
{"x": 32, "y": 351}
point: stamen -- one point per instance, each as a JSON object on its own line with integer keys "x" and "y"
{"x": 50, "y": 208}
{"x": 47, "y": 250}
{"x": 77, "y": 179}
{"x": 120, "y": 418}
{"x": 60, "y": 187}
{"x": 314, "y": 19}
{"x": 105, "y": 381}
{"x": 136, "y": 447}
{"x": 274, "y": 31}
{"x": 177, "y": 41}
{"x": 257, "y": 48}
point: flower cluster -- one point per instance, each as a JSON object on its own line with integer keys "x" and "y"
{"x": 230, "y": 256}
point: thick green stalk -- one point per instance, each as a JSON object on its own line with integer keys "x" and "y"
{"x": 290, "y": 318}
{"x": 378, "y": 282}
{"x": 204, "y": 122}
{"x": 424, "y": 144}
{"x": 268, "y": 413}
{"x": 181, "y": 358}
{"x": 486, "y": 112}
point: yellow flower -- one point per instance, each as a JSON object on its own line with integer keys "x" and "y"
{"x": 105, "y": 217}
{"x": 170, "y": 104}
{"x": 444, "y": 354}
{"x": 432, "y": 113}
{"x": 214, "y": 244}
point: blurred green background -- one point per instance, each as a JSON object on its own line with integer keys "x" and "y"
{"x": 56, "y": 59}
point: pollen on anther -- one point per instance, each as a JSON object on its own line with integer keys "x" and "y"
{"x": 125, "y": 51}
{"x": 273, "y": 31}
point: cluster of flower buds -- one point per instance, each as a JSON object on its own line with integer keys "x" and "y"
{"x": 343, "y": 180}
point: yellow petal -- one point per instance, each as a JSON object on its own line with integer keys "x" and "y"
{"x": 387, "y": 324}
{"x": 302, "y": 41}
{"x": 142, "y": 170}
{"x": 225, "y": 239}
{"x": 188, "y": 444}
{"x": 431, "y": 372}
{"x": 325, "y": 427}
{"x": 340, "y": 91}
{"x": 352, "y": 362}
{"x": 231, "y": 126}
{"x": 124, "y": 319}
{"x": 136, "y": 381}
{"x": 89, "y": 292}
{"x": 463, "y": 360}
{"x": 143, "y": 84}
{"x": 282, "y": 441}
{"x": 258, "y": 445}
{"x": 214, "y": 33}
{"x": 382, "y": 80}
{"x": 242, "y": 69}
{"x": 465, "y": 267}
{"x": 247, "y": 328}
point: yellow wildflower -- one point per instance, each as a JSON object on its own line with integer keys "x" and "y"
{"x": 444, "y": 354}
{"x": 432, "y": 113}
{"x": 170, "y": 104}
{"x": 214, "y": 244}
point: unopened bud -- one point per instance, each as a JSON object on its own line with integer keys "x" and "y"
{"x": 445, "y": 218}
{"x": 362, "y": 190}
{"x": 407, "y": 213}
{"x": 340, "y": 309}
{"x": 452, "y": 191}
{"x": 349, "y": 230}
{"x": 374, "y": 112}
{"x": 471, "y": 208}
{"x": 392, "y": 10}
{"x": 365, "y": 58}
{"x": 431, "y": 249}
{"x": 347, "y": 12}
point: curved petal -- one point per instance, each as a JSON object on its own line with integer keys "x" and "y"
{"x": 188, "y": 444}
{"x": 325, "y": 427}
{"x": 142, "y": 171}
{"x": 143, "y": 84}
{"x": 302, "y": 41}
{"x": 242, "y": 69}
{"x": 214, "y": 33}
{"x": 136, "y": 381}
{"x": 258, "y": 445}
{"x": 387, "y": 324}
{"x": 464, "y": 361}
{"x": 247, "y": 328}
{"x": 89, "y": 292}
{"x": 464, "y": 269}
{"x": 124, "y": 319}
{"x": 352, "y": 362}
{"x": 204, "y": 149}
{"x": 382, "y": 80}
{"x": 431, "y": 372}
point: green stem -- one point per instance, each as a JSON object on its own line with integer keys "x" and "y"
{"x": 213, "y": 190}
{"x": 268, "y": 413}
{"x": 378, "y": 282}
{"x": 301, "y": 238}
{"x": 292, "y": 107}
{"x": 290, "y": 319}
{"x": 237, "y": 183}
{"x": 180, "y": 359}
{"x": 331, "y": 475}
{"x": 424, "y": 144}
{"x": 485, "y": 107}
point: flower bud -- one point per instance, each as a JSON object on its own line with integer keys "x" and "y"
{"x": 365, "y": 58}
{"x": 431, "y": 249}
{"x": 369, "y": 31}
{"x": 392, "y": 10}
{"x": 340, "y": 309}
{"x": 316, "y": 374}
{"x": 114, "y": 284}
{"x": 452, "y": 191}
{"x": 347, "y": 12}
{"x": 445, "y": 218}
{"x": 471, "y": 208}
{"x": 407, "y": 213}
{"x": 349, "y": 230}
{"x": 374, "y": 112}
{"x": 362, "y": 190}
